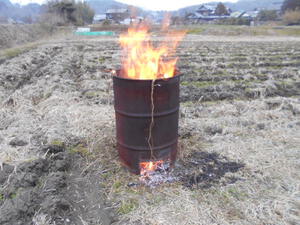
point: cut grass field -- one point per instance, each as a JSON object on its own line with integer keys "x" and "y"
{"x": 239, "y": 131}
{"x": 235, "y": 30}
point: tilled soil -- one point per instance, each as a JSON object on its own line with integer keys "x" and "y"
{"x": 239, "y": 123}
{"x": 45, "y": 185}
{"x": 219, "y": 71}
{"x": 47, "y": 191}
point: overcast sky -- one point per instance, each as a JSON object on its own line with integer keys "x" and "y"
{"x": 24, "y": 2}
{"x": 148, "y": 4}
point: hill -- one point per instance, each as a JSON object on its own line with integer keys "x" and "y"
{"x": 253, "y": 4}
{"x": 18, "y": 12}
{"x": 241, "y": 5}
{"x": 100, "y": 6}
{"x": 5, "y": 7}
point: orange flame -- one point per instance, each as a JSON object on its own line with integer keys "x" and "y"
{"x": 142, "y": 60}
{"x": 146, "y": 167}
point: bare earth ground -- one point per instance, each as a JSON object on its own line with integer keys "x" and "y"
{"x": 239, "y": 136}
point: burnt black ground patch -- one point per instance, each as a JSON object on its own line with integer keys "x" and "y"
{"x": 203, "y": 170}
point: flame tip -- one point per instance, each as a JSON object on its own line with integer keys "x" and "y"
{"x": 144, "y": 61}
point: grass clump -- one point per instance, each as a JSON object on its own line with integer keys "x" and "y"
{"x": 92, "y": 94}
{"x": 57, "y": 143}
{"x": 13, "y": 195}
{"x": 237, "y": 194}
{"x": 102, "y": 59}
{"x": 196, "y": 30}
{"x": 127, "y": 206}
{"x": 187, "y": 103}
{"x": 81, "y": 149}
{"x": 14, "y": 52}
{"x": 117, "y": 185}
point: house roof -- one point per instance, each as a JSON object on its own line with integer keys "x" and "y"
{"x": 251, "y": 14}
{"x": 117, "y": 11}
{"x": 237, "y": 14}
{"x": 206, "y": 7}
{"x": 100, "y": 17}
{"x": 200, "y": 16}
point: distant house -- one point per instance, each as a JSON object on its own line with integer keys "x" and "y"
{"x": 206, "y": 10}
{"x": 131, "y": 20}
{"x": 205, "y": 13}
{"x": 11, "y": 21}
{"x": 99, "y": 18}
{"x": 117, "y": 15}
{"x": 251, "y": 15}
{"x": 237, "y": 14}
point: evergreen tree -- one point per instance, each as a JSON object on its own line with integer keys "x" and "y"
{"x": 267, "y": 15}
{"x": 221, "y": 10}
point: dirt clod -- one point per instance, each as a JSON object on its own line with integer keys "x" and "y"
{"x": 42, "y": 185}
{"x": 18, "y": 142}
{"x": 5, "y": 171}
{"x": 212, "y": 130}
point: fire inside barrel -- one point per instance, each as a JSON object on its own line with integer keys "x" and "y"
{"x": 146, "y": 94}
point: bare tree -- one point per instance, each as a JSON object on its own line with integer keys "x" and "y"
{"x": 290, "y": 5}
{"x": 71, "y": 12}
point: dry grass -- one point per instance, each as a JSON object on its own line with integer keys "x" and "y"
{"x": 41, "y": 219}
{"x": 292, "y": 17}
{"x": 268, "y": 184}
{"x": 12, "y": 35}
{"x": 231, "y": 30}
{"x": 16, "y": 51}
{"x": 70, "y": 97}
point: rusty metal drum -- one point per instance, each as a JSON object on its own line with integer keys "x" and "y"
{"x": 133, "y": 108}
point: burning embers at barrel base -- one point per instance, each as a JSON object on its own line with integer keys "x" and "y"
{"x": 151, "y": 166}
{"x": 154, "y": 173}
{"x": 146, "y": 92}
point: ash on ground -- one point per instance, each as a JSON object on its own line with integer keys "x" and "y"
{"x": 162, "y": 174}
{"x": 202, "y": 170}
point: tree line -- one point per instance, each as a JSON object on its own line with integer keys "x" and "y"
{"x": 290, "y": 13}
{"x": 66, "y": 12}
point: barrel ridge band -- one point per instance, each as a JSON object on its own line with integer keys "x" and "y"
{"x": 147, "y": 148}
{"x": 143, "y": 115}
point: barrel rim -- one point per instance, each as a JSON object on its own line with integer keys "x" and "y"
{"x": 115, "y": 75}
